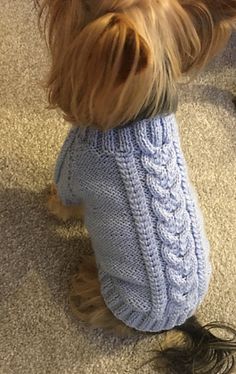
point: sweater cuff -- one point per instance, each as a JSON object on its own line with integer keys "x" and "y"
{"x": 63, "y": 171}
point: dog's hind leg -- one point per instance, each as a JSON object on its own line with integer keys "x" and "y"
{"x": 87, "y": 302}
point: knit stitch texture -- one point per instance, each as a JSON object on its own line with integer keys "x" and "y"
{"x": 142, "y": 217}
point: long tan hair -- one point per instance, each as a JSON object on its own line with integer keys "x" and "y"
{"x": 113, "y": 60}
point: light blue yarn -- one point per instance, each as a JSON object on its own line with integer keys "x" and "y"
{"x": 142, "y": 218}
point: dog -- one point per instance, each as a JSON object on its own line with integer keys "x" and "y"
{"x": 116, "y": 65}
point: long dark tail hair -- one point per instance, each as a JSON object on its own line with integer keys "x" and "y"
{"x": 201, "y": 352}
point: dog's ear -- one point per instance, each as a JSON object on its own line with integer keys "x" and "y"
{"x": 220, "y": 10}
{"x": 208, "y": 25}
{"x": 116, "y": 47}
{"x": 99, "y": 70}
{"x": 135, "y": 52}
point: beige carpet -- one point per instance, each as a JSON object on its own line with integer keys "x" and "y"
{"x": 38, "y": 255}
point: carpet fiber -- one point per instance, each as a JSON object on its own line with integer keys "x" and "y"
{"x": 38, "y": 255}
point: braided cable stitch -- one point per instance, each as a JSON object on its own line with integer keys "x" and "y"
{"x": 143, "y": 221}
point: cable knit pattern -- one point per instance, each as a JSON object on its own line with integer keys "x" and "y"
{"x": 142, "y": 217}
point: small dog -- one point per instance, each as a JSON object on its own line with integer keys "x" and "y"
{"x": 115, "y": 69}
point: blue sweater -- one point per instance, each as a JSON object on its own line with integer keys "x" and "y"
{"x": 142, "y": 218}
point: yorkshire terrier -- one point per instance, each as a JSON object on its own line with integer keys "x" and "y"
{"x": 116, "y": 65}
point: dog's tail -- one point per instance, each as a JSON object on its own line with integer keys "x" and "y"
{"x": 194, "y": 349}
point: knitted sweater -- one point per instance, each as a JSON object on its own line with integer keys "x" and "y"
{"x": 140, "y": 212}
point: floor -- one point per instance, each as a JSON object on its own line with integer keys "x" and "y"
{"x": 38, "y": 255}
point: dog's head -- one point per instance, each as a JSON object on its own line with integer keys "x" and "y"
{"x": 113, "y": 60}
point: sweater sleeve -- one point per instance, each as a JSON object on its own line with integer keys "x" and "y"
{"x": 63, "y": 171}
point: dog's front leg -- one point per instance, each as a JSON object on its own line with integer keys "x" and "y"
{"x": 61, "y": 211}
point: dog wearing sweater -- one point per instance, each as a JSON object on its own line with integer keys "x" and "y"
{"x": 115, "y": 69}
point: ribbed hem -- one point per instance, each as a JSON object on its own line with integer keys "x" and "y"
{"x": 145, "y": 322}
{"x": 64, "y": 161}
